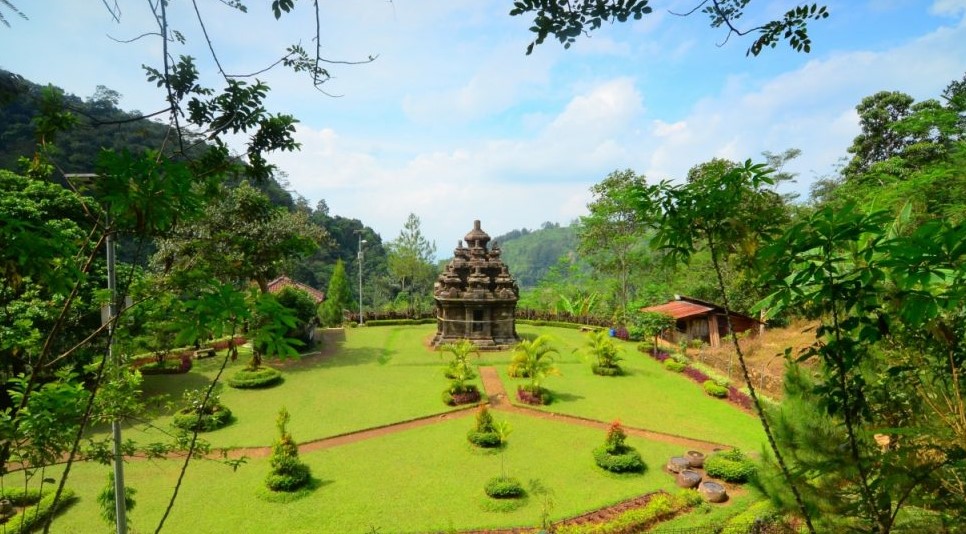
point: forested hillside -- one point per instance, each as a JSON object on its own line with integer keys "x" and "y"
{"x": 530, "y": 254}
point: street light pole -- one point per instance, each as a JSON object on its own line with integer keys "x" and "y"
{"x": 120, "y": 508}
{"x": 361, "y": 241}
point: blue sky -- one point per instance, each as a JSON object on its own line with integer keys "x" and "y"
{"x": 454, "y": 122}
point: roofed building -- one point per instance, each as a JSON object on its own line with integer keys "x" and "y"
{"x": 698, "y": 319}
{"x": 282, "y": 282}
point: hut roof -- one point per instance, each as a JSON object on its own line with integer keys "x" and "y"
{"x": 282, "y": 282}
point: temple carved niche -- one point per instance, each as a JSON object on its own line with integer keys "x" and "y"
{"x": 476, "y": 297}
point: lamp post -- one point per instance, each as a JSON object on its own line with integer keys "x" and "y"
{"x": 110, "y": 318}
{"x": 361, "y": 242}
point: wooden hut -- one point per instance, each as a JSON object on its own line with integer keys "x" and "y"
{"x": 698, "y": 319}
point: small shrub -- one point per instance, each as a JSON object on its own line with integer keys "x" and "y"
{"x": 262, "y": 377}
{"x": 288, "y": 472}
{"x": 621, "y": 333}
{"x": 730, "y": 466}
{"x": 736, "y": 396}
{"x": 485, "y": 433}
{"x": 199, "y": 415}
{"x": 189, "y": 419}
{"x": 627, "y": 462}
{"x": 504, "y": 488}
{"x": 456, "y": 396}
{"x": 534, "y": 396}
{"x": 616, "y": 456}
{"x": 696, "y": 375}
{"x": 602, "y": 370}
{"x": 674, "y": 365}
{"x": 714, "y": 389}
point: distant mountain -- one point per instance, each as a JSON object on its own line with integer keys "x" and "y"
{"x": 529, "y": 254}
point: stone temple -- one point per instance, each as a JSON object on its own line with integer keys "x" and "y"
{"x": 475, "y": 296}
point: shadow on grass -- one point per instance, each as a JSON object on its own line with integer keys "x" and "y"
{"x": 160, "y": 392}
{"x": 268, "y": 495}
{"x": 564, "y": 397}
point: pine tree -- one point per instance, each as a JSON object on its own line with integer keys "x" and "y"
{"x": 337, "y": 297}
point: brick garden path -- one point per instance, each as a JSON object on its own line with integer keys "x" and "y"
{"x": 498, "y": 402}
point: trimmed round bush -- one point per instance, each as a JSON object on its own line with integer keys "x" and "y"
{"x": 289, "y": 474}
{"x": 504, "y": 488}
{"x": 625, "y": 460}
{"x": 674, "y": 365}
{"x": 263, "y": 377}
{"x": 190, "y": 419}
{"x": 730, "y": 466}
{"x": 607, "y": 370}
{"x": 487, "y": 440}
{"x": 714, "y": 389}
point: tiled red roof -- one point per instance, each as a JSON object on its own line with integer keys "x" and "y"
{"x": 283, "y": 281}
{"x": 679, "y": 309}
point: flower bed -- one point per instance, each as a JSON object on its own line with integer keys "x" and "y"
{"x": 734, "y": 395}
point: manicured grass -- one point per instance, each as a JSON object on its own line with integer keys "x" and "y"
{"x": 419, "y": 480}
{"x": 648, "y": 396}
{"x": 377, "y": 376}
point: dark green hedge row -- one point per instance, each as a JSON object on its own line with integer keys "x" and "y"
{"x": 558, "y": 324}
{"x": 397, "y": 322}
{"x": 262, "y": 377}
{"x": 33, "y": 517}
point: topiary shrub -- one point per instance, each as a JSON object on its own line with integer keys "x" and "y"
{"x": 730, "y": 466}
{"x": 602, "y": 370}
{"x": 504, "y": 487}
{"x": 674, "y": 365}
{"x": 262, "y": 377}
{"x": 616, "y": 456}
{"x": 714, "y": 389}
{"x": 485, "y": 433}
{"x": 201, "y": 416}
{"x": 288, "y": 472}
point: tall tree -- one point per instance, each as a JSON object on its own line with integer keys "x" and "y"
{"x": 337, "y": 298}
{"x": 610, "y": 237}
{"x": 243, "y": 237}
{"x": 412, "y": 263}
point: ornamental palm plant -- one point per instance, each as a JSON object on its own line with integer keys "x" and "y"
{"x": 533, "y": 359}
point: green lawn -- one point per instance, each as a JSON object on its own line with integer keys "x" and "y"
{"x": 425, "y": 479}
{"x": 649, "y": 396}
{"x": 378, "y": 376}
